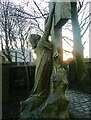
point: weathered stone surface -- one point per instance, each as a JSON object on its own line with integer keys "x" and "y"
{"x": 55, "y": 106}
{"x": 54, "y": 102}
{"x": 62, "y": 13}
{"x": 28, "y": 106}
{"x": 44, "y": 51}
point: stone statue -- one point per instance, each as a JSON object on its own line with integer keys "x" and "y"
{"x": 55, "y": 106}
{"x": 47, "y": 98}
{"x": 44, "y": 50}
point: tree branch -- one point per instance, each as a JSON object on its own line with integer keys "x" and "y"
{"x": 38, "y": 9}
{"x": 86, "y": 29}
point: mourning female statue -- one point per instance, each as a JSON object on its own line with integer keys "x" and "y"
{"x": 47, "y": 98}
{"x": 44, "y": 50}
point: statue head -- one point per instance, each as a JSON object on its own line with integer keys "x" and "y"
{"x": 34, "y": 39}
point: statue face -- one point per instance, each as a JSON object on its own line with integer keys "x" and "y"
{"x": 34, "y": 39}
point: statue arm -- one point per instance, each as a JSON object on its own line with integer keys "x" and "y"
{"x": 48, "y": 45}
{"x": 48, "y": 25}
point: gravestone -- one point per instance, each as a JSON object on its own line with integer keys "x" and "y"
{"x": 62, "y": 15}
{"x": 55, "y": 104}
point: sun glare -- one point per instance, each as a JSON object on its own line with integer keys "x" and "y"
{"x": 67, "y": 56}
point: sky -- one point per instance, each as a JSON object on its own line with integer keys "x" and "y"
{"x": 65, "y": 32}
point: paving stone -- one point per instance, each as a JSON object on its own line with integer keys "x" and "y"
{"x": 80, "y": 103}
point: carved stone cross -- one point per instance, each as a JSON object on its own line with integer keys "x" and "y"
{"x": 62, "y": 15}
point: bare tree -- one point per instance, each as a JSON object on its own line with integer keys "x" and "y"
{"x": 83, "y": 15}
{"x": 5, "y": 30}
{"x": 78, "y": 48}
{"x": 14, "y": 29}
{"x": 80, "y": 66}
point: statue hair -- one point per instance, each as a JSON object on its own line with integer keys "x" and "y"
{"x": 34, "y": 39}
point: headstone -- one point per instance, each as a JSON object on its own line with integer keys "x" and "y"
{"x": 62, "y": 13}
{"x": 53, "y": 105}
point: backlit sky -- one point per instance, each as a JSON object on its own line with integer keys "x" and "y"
{"x": 65, "y": 33}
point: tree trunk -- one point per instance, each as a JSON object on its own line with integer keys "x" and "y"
{"x": 80, "y": 67}
{"x": 78, "y": 47}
